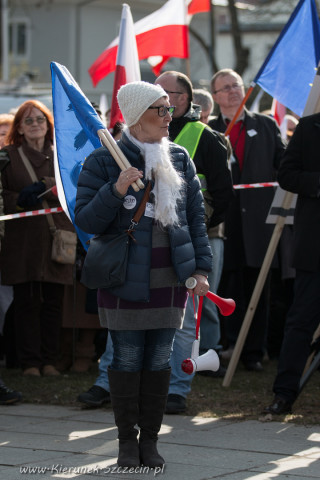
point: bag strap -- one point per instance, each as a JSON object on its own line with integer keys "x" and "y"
{"x": 28, "y": 165}
{"x": 136, "y": 218}
{"x": 142, "y": 205}
{"x": 34, "y": 178}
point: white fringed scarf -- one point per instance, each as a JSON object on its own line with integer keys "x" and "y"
{"x": 168, "y": 183}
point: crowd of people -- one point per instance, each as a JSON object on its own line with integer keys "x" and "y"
{"x": 195, "y": 225}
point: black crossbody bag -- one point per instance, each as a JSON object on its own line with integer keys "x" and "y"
{"x": 105, "y": 264}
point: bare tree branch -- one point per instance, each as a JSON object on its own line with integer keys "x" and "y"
{"x": 241, "y": 53}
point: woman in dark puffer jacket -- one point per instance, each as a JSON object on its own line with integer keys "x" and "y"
{"x": 171, "y": 245}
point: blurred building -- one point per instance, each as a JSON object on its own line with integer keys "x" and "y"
{"x": 75, "y": 32}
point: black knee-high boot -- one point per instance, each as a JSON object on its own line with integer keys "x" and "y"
{"x": 152, "y": 403}
{"x": 124, "y": 393}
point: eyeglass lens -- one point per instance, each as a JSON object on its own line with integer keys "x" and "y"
{"x": 228, "y": 88}
{"x": 163, "y": 111}
{"x": 30, "y": 120}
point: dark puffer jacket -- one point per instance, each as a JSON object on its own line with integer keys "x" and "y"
{"x": 98, "y": 210}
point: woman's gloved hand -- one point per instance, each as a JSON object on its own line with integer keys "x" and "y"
{"x": 29, "y": 195}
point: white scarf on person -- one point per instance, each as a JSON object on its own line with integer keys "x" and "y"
{"x": 167, "y": 182}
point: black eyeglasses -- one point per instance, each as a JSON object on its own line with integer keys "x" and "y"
{"x": 163, "y": 110}
{"x": 178, "y": 93}
{"x": 228, "y": 88}
{"x": 30, "y": 120}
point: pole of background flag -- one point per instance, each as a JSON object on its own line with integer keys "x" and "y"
{"x": 187, "y": 59}
{"x": 103, "y": 105}
{"x": 212, "y": 36}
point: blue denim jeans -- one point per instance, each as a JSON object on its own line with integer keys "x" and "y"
{"x": 180, "y": 382}
{"x": 136, "y": 350}
{"x": 210, "y": 323}
{"x": 104, "y": 362}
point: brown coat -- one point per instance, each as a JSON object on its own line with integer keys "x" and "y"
{"x": 27, "y": 244}
{"x": 74, "y": 308}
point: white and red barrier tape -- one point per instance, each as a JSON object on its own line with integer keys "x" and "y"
{"x": 256, "y": 185}
{"x": 45, "y": 211}
{"x": 32, "y": 213}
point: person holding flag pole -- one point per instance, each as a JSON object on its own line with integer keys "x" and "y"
{"x": 171, "y": 244}
{"x": 127, "y": 70}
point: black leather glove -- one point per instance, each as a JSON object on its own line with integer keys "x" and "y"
{"x": 28, "y": 196}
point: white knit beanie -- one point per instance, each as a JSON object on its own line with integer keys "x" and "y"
{"x": 134, "y": 99}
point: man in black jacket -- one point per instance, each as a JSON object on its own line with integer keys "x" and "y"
{"x": 299, "y": 173}
{"x": 209, "y": 154}
{"x": 257, "y": 150}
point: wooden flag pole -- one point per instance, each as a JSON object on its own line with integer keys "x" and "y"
{"x": 310, "y": 358}
{"x": 187, "y": 63}
{"x": 109, "y": 142}
{"x": 286, "y": 204}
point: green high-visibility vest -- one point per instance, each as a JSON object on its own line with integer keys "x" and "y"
{"x": 189, "y": 138}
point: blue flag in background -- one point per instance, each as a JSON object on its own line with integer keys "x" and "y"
{"x": 76, "y": 124}
{"x": 288, "y": 71}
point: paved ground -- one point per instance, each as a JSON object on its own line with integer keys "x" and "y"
{"x": 44, "y": 442}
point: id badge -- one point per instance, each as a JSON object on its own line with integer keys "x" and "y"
{"x": 149, "y": 211}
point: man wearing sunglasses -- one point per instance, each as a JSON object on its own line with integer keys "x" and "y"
{"x": 209, "y": 154}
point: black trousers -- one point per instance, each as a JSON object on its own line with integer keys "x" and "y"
{"x": 302, "y": 320}
{"x": 37, "y": 318}
{"x": 239, "y": 285}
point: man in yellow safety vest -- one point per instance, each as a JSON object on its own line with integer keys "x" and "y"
{"x": 209, "y": 153}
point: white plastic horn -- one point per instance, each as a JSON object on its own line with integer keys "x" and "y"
{"x": 207, "y": 361}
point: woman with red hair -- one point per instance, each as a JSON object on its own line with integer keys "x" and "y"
{"x": 26, "y": 264}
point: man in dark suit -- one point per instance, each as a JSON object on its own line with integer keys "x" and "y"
{"x": 257, "y": 149}
{"x": 300, "y": 173}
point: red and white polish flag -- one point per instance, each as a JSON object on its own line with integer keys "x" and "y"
{"x": 198, "y": 6}
{"x": 163, "y": 33}
{"x": 127, "y": 63}
{"x": 278, "y": 111}
{"x": 194, "y": 6}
